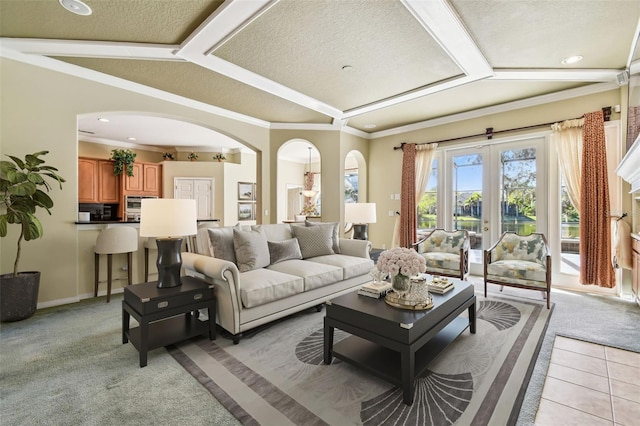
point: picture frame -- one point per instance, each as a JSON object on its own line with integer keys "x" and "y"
{"x": 246, "y": 191}
{"x": 246, "y": 211}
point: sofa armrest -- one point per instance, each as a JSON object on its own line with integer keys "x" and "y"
{"x": 357, "y": 248}
{"x": 225, "y": 277}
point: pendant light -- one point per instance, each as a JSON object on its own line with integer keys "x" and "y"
{"x": 309, "y": 192}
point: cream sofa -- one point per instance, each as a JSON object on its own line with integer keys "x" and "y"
{"x": 265, "y": 272}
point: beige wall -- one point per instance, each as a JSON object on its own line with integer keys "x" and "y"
{"x": 103, "y": 151}
{"x": 39, "y": 112}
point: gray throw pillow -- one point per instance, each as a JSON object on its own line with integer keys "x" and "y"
{"x": 335, "y": 236}
{"x": 314, "y": 240}
{"x": 222, "y": 243}
{"x": 252, "y": 250}
{"x": 284, "y": 250}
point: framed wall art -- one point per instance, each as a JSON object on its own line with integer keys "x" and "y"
{"x": 246, "y": 211}
{"x": 246, "y": 191}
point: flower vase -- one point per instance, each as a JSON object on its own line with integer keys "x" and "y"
{"x": 401, "y": 285}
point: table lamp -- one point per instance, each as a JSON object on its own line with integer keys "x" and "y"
{"x": 168, "y": 220}
{"x": 360, "y": 215}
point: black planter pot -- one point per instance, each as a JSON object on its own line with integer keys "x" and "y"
{"x": 18, "y": 295}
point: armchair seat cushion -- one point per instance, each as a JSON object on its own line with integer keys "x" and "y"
{"x": 507, "y": 270}
{"x": 442, "y": 261}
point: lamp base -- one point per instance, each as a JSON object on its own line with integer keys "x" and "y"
{"x": 169, "y": 262}
{"x": 360, "y": 231}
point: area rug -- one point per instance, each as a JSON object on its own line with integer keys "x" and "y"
{"x": 276, "y": 375}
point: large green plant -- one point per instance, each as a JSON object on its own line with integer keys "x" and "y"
{"x": 20, "y": 196}
{"x": 124, "y": 159}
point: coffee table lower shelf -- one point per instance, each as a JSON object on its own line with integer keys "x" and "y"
{"x": 386, "y": 363}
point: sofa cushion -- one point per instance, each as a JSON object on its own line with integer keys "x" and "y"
{"x": 251, "y": 248}
{"x": 351, "y": 266}
{"x": 314, "y": 274}
{"x": 284, "y": 250}
{"x": 518, "y": 269}
{"x": 222, "y": 243}
{"x": 335, "y": 236}
{"x": 261, "y": 286}
{"x": 275, "y": 231}
{"x": 314, "y": 240}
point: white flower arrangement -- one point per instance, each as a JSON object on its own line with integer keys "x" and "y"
{"x": 401, "y": 261}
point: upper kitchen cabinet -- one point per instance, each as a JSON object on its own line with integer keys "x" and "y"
{"x": 96, "y": 181}
{"x": 146, "y": 179}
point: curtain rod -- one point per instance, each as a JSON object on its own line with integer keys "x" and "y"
{"x": 490, "y": 132}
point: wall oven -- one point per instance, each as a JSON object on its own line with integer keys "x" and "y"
{"x": 133, "y": 204}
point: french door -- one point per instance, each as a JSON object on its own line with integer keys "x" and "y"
{"x": 495, "y": 188}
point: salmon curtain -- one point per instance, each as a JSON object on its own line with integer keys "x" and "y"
{"x": 595, "y": 228}
{"x": 408, "y": 196}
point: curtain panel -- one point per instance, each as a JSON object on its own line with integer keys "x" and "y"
{"x": 595, "y": 227}
{"x": 408, "y": 196}
{"x": 567, "y": 141}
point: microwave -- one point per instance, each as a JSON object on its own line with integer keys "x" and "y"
{"x": 133, "y": 204}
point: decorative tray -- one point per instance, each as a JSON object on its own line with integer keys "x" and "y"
{"x": 418, "y": 299}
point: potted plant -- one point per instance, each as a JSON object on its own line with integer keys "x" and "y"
{"x": 23, "y": 189}
{"x": 192, "y": 156}
{"x": 124, "y": 159}
{"x": 167, "y": 156}
{"x": 220, "y": 157}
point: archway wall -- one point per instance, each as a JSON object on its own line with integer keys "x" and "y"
{"x": 39, "y": 111}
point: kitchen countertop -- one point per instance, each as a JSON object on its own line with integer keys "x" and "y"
{"x": 107, "y": 222}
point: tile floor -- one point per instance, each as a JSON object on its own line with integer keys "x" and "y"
{"x": 590, "y": 384}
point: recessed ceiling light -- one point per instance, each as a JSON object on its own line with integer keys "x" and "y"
{"x": 131, "y": 138}
{"x": 572, "y": 60}
{"x": 104, "y": 120}
{"x": 76, "y": 6}
{"x": 347, "y": 68}
{"x": 369, "y": 126}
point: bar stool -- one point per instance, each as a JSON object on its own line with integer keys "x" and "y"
{"x": 119, "y": 239}
{"x": 149, "y": 244}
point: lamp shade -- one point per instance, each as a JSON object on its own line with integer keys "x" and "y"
{"x": 360, "y": 212}
{"x": 168, "y": 217}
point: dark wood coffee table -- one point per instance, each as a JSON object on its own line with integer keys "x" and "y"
{"x": 391, "y": 342}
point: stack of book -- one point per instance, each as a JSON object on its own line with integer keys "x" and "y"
{"x": 375, "y": 289}
{"x": 440, "y": 285}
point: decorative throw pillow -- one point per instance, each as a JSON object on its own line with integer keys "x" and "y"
{"x": 222, "y": 243}
{"x": 335, "y": 232}
{"x": 252, "y": 250}
{"x": 314, "y": 240}
{"x": 284, "y": 250}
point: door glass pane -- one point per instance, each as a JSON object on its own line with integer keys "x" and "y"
{"x": 467, "y": 196}
{"x": 518, "y": 191}
{"x": 427, "y": 207}
{"x": 570, "y": 235}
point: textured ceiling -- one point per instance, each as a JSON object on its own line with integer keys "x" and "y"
{"x": 282, "y": 61}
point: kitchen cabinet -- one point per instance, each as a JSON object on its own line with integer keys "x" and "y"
{"x": 635, "y": 273}
{"x": 96, "y": 181}
{"x": 146, "y": 180}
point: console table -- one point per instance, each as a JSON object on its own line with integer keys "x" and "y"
{"x": 167, "y": 315}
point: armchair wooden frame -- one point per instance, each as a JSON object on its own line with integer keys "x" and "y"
{"x": 546, "y": 292}
{"x": 463, "y": 273}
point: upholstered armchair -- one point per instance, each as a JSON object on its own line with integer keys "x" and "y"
{"x": 519, "y": 261}
{"x": 446, "y": 252}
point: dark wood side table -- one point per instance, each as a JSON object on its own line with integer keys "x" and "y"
{"x": 167, "y": 315}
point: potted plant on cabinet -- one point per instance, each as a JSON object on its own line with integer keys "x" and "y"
{"x": 20, "y": 197}
{"x": 192, "y": 156}
{"x": 220, "y": 157}
{"x": 167, "y": 156}
{"x": 124, "y": 159}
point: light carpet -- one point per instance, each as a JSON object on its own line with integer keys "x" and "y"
{"x": 276, "y": 376}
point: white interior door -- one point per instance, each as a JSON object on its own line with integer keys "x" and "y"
{"x": 199, "y": 189}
